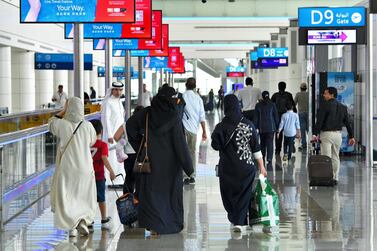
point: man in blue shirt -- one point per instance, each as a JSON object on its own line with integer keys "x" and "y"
{"x": 290, "y": 125}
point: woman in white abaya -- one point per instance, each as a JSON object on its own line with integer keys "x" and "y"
{"x": 73, "y": 189}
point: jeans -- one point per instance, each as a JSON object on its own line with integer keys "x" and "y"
{"x": 267, "y": 144}
{"x": 288, "y": 146}
{"x": 303, "y": 116}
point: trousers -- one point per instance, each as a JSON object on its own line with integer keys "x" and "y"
{"x": 330, "y": 146}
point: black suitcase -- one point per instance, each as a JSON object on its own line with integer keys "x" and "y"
{"x": 320, "y": 169}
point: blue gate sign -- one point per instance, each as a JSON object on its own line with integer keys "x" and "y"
{"x": 254, "y": 56}
{"x": 331, "y": 17}
{"x": 272, "y": 52}
{"x": 235, "y": 69}
{"x": 59, "y": 61}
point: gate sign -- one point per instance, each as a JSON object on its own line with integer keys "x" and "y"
{"x": 65, "y": 11}
{"x": 331, "y": 17}
{"x": 273, "y": 52}
{"x": 235, "y": 69}
{"x": 59, "y": 61}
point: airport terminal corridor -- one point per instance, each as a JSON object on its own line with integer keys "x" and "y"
{"x": 317, "y": 218}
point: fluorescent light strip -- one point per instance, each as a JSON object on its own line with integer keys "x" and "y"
{"x": 226, "y": 18}
{"x": 213, "y": 45}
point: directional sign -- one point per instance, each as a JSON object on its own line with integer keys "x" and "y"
{"x": 272, "y": 52}
{"x": 331, "y": 36}
{"x": 272, "y": 62}
{"x": 235, "y": 69}
{"x": 331, "y": 17}
{"x": 64, "y": 11}
{"x": 59, "y": 61}
{"x": 118, "y": 71}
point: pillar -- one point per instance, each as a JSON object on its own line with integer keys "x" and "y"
{"x": 5, "y": 78}
{"x": 71, "y": 83}
{"x": 23, "y": 81}
{"x": 61, "y": 78}
{"x": 44, "y": 88}
{"x": 94, "y": 80}
{"x": 101, "y": 87}
{"x": 87, "y": 81}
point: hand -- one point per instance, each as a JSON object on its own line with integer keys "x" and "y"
{"x": 204, "y": 136}
{"x": 263, "y": 171}
{"x": 314, "y": 138}
{"x": 112, "y": 175}
{"x": 110, "y": 140}
{"x": 351, "y": 141}
{"x": 298, "y": 136}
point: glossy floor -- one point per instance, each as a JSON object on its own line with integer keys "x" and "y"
{"x": 340, "y": 218}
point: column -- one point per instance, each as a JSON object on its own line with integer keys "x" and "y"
{"x": 5, "y": 78}
{"x": 94, "y": 80}
{"x": 87, "y": 81}
{"x": 23, "y": 81}
{"x": 44, "y": 88}
{"x": 61, "y": 78}
{"x": 101, "y": 87}
{"x": 71, "y": 83}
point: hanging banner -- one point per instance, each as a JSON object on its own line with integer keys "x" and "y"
{"x": 118, "y": 44}
{"x": 155, "y": 43}
{"x": 77, "y": 11}
{"x": 165, "y": 44}
{"x": 59, "y": 61}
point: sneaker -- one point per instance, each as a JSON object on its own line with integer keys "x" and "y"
{"x": 237, "y": 229}
{"x": 186, "y": 181}
{"x": 335, "y": 182}
{"x": 83, "y": 228}
{"x": 105, "y": 224}
{"x": 285, "y": 157}
{"x": 192, "y": 180}
{"x": 73, "y": 233}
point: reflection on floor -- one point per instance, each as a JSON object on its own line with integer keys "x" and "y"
{"x": 323, "y": 218}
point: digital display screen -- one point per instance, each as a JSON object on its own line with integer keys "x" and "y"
{"x": 272, "y": 62}
{"x": 165, "y": 44}
{"x": 331, "y": 36}
{"x": 155, "y": 43}
{"x": 272, "y": 52}
{"x": 174, "y": 57}
{"x": 134, "y": 53}
{"x": 155, "y": 62}
{"x": 235, "y": 74}
{"x": 69, "y": 11}
{"x": 118, "y": 44}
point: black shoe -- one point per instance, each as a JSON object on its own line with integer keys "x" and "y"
{"x": 192, "y": 180}
{"x": 294, "y": 149}
{"x": 186, "y": 181}
{"x": 335, "y": 182}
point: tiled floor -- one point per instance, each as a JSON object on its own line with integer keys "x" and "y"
{"x": 340, "y": 218}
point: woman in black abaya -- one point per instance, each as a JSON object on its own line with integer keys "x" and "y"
{"x": 237, "y": 140}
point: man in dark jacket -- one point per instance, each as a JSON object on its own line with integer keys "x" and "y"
{"x": 331, "y": 117}
{"x": 281, "y": 100}
{"x": 266, "y": 120}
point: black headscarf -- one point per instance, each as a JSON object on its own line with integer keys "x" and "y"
{"x": 163, "y": 114}
{"x": 232, "y": 109}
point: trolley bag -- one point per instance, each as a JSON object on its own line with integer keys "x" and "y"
{"x": 265, "y": 209}
{"x": 319, "y": 168}
{"x": 127, "y": 206}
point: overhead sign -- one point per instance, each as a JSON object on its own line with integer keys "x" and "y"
{"x": 118, "y": 44}
{"x": 134, "y": 53}
{"x": 272, "y": 52}
{"x": 155, "y": 43}
{"x": 142, "y": 27}
{"x": 235, "y": 69}
{"x": 118, "y": 71}
{"x": 155, "y": 62}
{"x": 68, "y": 11}
{"x": 164, "y": 52}
{"x": 59, "y": 61}
{"x": 254, "y": 56}
{"x": 174, "y": 57}
{"x": 331, "y": 36}
{"x": 272, "y": 62}
{"x": 332, "y": 17}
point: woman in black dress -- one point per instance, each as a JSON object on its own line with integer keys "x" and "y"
{"x": 237, "y": 141}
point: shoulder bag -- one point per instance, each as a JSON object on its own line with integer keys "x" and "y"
{"x": 69, "y": 141}
{"x": 143, "y": 166}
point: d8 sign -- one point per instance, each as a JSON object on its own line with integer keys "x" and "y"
{"x": 331, "y": 17}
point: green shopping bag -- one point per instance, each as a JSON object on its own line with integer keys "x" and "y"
{"x": 265, "y": 209}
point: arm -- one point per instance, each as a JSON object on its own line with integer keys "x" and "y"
{"x": 276, "y": 116}
{"x": 255, "y": 148}
{"x": 54, "y": 121}
{"x": 118, "y": 134}
{"x": 202, "y": 120}
{"x": 320, "y": 120}
{"x": 108, "y": 166}
{"x": 297, "y": 124}
{"x": 293, "y": 102}
{"x": 282, "y": 122}
{"x": 106, "y": 119}
{"x": 347, "y": 123}
{"x": 217, "y": 139}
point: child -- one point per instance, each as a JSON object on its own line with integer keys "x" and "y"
{"x": 291, "y": 125}
{"x": 100, "y": 153}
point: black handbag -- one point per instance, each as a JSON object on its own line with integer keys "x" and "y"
{"x": 143, "y": 166}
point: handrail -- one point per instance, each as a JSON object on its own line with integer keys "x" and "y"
{"x": 9, "y": 138}
{"x": 29, "y": 113}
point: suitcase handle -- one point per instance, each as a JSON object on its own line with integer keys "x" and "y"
{"x": 116, "y": 176}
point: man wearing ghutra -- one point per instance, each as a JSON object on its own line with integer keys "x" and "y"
{"x": 112, "y": 117}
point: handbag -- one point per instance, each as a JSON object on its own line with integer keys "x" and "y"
{"x": 143, "y": 166}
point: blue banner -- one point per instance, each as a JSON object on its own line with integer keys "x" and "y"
{"x": 96, "y": 30}
{"x": 235, "y": 69}
{"x": 331, "y": 17}
{"x": 59, "y": 61}
{"x": 344, "y": 82}
{"x": 155, "y": 62}
{"x": 118, "y": 44}
{"x": 118, "y": 71}
{"x": 272, "y": 52}
{"x": 63, "y": 11}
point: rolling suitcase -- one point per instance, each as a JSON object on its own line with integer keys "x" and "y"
{"x": 320, "y": 168}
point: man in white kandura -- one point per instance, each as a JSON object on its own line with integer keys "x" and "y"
{"x": 112, "y": 117}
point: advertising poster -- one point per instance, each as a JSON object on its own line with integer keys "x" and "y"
{"x": 344, "y": 83}
{"x": 173, "y": 60}
{"x": 155, "y": 43}
{"x": 181, "y": 65}
{"x": 134, "y": 53}
{"x": 83, "y": 11}
{"x": 118, "y": 44}
{"x": 165, "y": 44}
{"x": 142, "y": 27}
{"x": 331, "y": 36}
{"x": 155, "y": 62}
